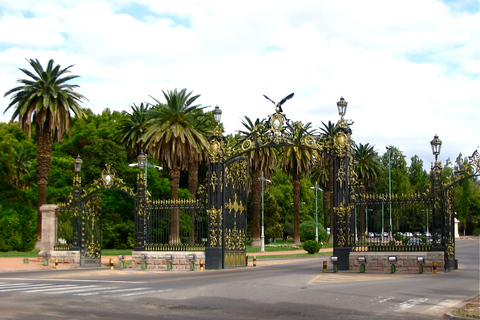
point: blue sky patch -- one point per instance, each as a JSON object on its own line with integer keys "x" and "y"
{"x": 145, "y": 14}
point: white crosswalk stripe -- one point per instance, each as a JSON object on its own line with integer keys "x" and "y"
{"x": 75, "y": 289}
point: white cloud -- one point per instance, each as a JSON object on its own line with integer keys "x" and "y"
{"x": 408, "y": 69}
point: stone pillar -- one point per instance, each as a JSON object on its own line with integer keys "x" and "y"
{"x": 456, "y": 221}
{"x": 49, "y": 229}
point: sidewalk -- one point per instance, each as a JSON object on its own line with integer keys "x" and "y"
{"x": 35, "y": 263}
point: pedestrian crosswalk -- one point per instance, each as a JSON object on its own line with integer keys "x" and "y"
{"x": 52, "y": 288}
{"x": 354, "y": 277}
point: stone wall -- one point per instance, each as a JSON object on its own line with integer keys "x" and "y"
{"x": 72, "y": 257}
{"x": 157, "y": 260}
{"x": 406, "y": 261}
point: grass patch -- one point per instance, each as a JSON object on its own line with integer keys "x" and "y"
{"x": 18, "y": 254}
{"x": 293, "y": 255}
{"x": 116, "y": 252}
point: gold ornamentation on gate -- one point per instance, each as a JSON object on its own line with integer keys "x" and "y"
{"x": 235, "y": 206}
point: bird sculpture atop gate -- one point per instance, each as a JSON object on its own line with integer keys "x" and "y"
{"x": 278, "y": 105}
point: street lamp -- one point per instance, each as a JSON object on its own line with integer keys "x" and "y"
{"x": 316, "y": 188}
{"x": 383, "y": 220}
{"x": 426, "y": 212}
{"x": 217, "y": 114}
{"x": 436, "y": 144}
{"x": 342, "y": 107}
{"x": 142, "y": 163}
{"x": 389, "y": 148}
{"x": 262, "y": 245}
{"x": 78, "y": 164}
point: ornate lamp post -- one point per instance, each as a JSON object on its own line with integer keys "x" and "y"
{"x": 436, "y": 144}
{"x": 213, "y": 252}
{"x": 142, "y": 164}
{"x": 77, "y": 198}
{"x": 344, "y": 220}
{"x": 262, "y": 236}
{"x": 217, "y": 114}
{"x": 389, "y": 148}
{"x": 78, "y": 164}
{"x": 342, "y": 107}
{"x": 316, "y": 188}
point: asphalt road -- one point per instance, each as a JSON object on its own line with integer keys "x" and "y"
{"x": 275, "y": 289}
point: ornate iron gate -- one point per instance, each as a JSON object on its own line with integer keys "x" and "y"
{"x": 91, "y": 232}
{"x": 235, "y": 213}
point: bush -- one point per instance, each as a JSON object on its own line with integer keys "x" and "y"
{"x": 307, "y": 232}
{"x": 311, "y": 246}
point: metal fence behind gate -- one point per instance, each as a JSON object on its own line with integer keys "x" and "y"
{"x": 193, "y": 222}
{"x": 406, "y": 224}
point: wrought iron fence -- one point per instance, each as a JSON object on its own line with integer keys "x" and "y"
{"x": 193, "y": 221}
{"x": 395, "y": 224}
{"x": 64, "y": 228}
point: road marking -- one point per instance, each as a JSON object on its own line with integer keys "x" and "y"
{"x": 380, "y": 299}
{"x": 409, "y": 303}
{"x": 24, "y": 287}
{"x": 352, "y": 277}
{"x": 443, "y": 306}
{"x": 55, "y": 287}
{"x": 73, "y": 280}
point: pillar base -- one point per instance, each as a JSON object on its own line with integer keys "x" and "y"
{"x": 213, "y": 258}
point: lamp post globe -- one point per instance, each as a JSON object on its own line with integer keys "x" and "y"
{"x": 78, "y": 164}
{"x": 217, "y": 114}
{"x": 436, "y": 144}
{"x": 342, "y": 107}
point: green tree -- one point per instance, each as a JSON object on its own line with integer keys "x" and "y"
{"x": 133, "y": 128}
{"x": 261, "y": 161}
{"x": 298, "y": 161}
{"x": 172, "y": 138}
{"x": 368, "y": 168}
{"x": 46, "y": 100}
{"x": 417, "y": 175}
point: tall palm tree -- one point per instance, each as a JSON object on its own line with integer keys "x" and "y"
{"x": 367, "y": 166}
{"x": 260, "y": 160}
{"x": 45, "y": 101}
{"x": 298, "y": 161}
{"x": 173, "y": 138}
{"x": 134, "y": 127}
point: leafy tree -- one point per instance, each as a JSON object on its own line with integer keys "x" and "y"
{"x": 133, "y": 128}
{"x": 173, "y": 138}
{"x": 417, "y": 175}
{"x": 260, "y": 161}
{"x": 298, "y": 161}
{"x": 368, "y": 168}
{"x": 46, "y": 100}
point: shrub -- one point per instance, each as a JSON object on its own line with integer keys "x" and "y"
{"x": 311, "y": 246}
{"x": 307, "y": 232}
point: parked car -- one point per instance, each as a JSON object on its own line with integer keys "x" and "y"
{"x": 414, "y": 241}
{"x": 385, "y": 234}
{"x": 427, "y": 234}
{"x": 371, "y": 235}
{"x": 417, "y": 234}
{"x": 408, "y": 235}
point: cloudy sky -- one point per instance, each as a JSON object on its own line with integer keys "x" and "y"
{"x": 409, "y": 69}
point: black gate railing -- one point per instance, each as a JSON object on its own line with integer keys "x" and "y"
{"x": 193, "y": 225}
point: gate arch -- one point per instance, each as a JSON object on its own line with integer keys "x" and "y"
{"x": 85, "y": 204}
{"x": 278, "y": 131}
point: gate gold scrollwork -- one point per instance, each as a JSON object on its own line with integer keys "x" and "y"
{"x": 215, "y": 226}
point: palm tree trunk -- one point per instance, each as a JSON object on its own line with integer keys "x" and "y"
{"x": 174, "y": 220}
{"x": 332, "y": 184}
{"x": 256, "y": 200}
{"x": 296, "y": 208}
{"x": 44, "y": 156}
{"x": 326, "y": 202}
